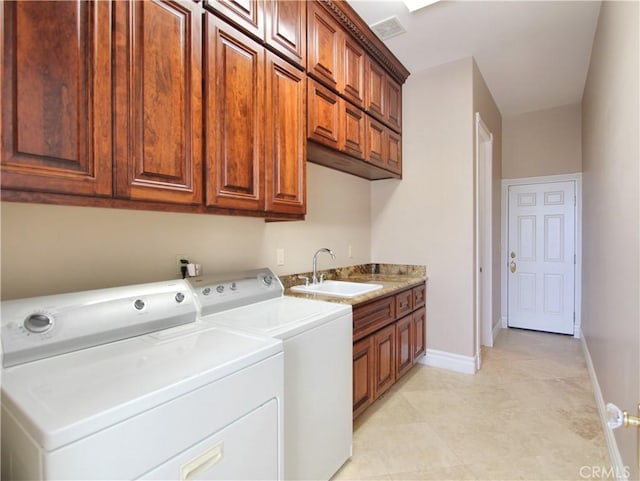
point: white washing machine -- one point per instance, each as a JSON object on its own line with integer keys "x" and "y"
{"x": 82, "y": 399}
{"x": 317, "y": 340}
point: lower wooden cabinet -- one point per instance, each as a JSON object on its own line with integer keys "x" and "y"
{"x": 384, "y": 359}
{"x": 363, "y": 393}
{"x": 389, "y": 339}
{"x": 404, "y": 345}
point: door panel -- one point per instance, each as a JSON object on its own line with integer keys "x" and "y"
{"x": 56, "y": 97}
{"x": 541, "y": 259}
{"x": 286, "y": 29}
{"x": 234, "y": 118}
{"x": 158, "y": 105}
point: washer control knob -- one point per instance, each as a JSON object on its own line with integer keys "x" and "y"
{"x": 206, "y": 291}
{"x": 179, "y": 297}
{"x": 139, "y": 304}
{"x": 268, "y": 279}
{"x": 220, "y": 289}
{"x": 234, "y": 286}
{"x": 38, "y": 323}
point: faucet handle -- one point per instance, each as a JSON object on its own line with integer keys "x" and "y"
{"x": 321, "y": 279}
{"x": 305, "y": 278}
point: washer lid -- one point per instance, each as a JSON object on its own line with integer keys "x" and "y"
{"x": 64, "y": 398}
{"x": 282, "y": 317}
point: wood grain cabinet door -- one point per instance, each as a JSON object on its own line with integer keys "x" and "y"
{"x": 419, "y": 333}
{"x": 353, "y": 121}
{"x": 323, "y": 115}
{"x": 158, "y": 102}
{"x": 394, "y": 104}
{"x": 323, "y": 45}
{"x": 56, "y": 97}
{"x": 363, "y": 372}
{"x": 286, "y": 29}
{"x": 384, "y": 345}
{"x": 234, "y": 129}
{"x": 404, "y": 345}
{"x": 375, "y": 89}
{"x": 375, "y": 142}
{"x": 394, "y": 151}
{"x": 247, "y": 15}
{"x": 285, "y": 137}
{"x": 352, "y": 72}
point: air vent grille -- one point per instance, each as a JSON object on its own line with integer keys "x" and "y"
{"x": 388, "y": 28}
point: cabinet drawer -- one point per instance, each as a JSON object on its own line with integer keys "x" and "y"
{"x": 419, "y": 296}
{"x": 404, "y": 303}
{"x": 373, "y": 316}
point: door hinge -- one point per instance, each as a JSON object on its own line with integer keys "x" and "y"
{"x": 574, "y": 259}
{"x": 574, "y": 317}
{"x": 575, "y": 202}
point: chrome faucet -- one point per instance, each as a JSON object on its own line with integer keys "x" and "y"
{"x": 314, "y": 277}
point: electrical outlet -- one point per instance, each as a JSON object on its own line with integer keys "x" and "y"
{"x": 179, "y": 264}
{"x": 280, "y": 257}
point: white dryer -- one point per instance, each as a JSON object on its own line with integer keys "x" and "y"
{"x": 82, "y": 399}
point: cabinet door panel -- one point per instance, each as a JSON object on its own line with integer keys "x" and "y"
{"x": 404, "y": 345}
{"x": 354, "y": 127}
{"x": 234, "y": 82}
{"x": 246, "y": 14}
{"x": 419, "y": 333}
{"x": 363, "y": 371}
{"x": 375, "y": 89}
{"x": 323, "y": 115}
{"x": 285, "y": 136}
{"x": 394, "y": 104}
{"x": 352, "y": 74}
{"x": 384, "y": 344}
{"x": 419, "y": 296}
{"x": 56, "y": 97}
{"x": 323, "y": 48}
{"x": 375, "y": 142}
{"x": 158, "y": 104}
{"x": 394, "y": 151}
{"x": 286, "y": 29}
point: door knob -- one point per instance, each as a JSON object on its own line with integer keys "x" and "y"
{"x": 512, "y": 266}
{"x": 617, "y": 418}
{"x": 513, "y": 255}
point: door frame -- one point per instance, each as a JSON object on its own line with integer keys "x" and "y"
{"x": 483, "y": 246}
{"x": 504, "y": 270}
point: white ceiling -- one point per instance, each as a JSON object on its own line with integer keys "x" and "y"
{"x": 532, "y": 54}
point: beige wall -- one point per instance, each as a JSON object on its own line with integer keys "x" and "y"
{"x": 427, "y": 218}
{"x": 545, "y": 142}
{"x": 484, "y": 103}
{"x": 49, "y": 249}
{"x": 611, "y": 232}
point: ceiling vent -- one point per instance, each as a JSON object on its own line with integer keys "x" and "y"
{"x": 388, "y": 28}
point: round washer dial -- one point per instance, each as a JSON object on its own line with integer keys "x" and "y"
{"x": 38, "y": 323}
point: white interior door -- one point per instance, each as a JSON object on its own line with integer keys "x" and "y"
{"x": 541, "y": 257}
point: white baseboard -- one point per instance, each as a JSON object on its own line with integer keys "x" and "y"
{"x": 449, "y": 360}
{"x": 617, "y": 464}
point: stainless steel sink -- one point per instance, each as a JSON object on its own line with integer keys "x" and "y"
{"x": 337, "y": 288}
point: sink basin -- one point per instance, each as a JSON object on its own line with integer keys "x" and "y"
{"x": 337, "y": 288}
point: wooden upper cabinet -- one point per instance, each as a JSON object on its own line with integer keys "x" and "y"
{"x": 285, "y": 29}
{"x": 158, "y": 101}
{"x": 351, "y": 80}
{"x": 246, "y": 14}
{"x": 285, "y": 137}
{"x": 375, "y": 89}
{"x": 323, "y": 45}
{"x": 394, "y": 104}
{"x": 353, "y": 120}
{"x": 394, "y": 151}
{"x": 323, "y": 115}
{"x": 375, "y": 142}
{"x": 234, "y": 123}
{"x": 56, "y": 97}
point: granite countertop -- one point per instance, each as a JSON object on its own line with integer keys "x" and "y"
{"x": 393, "y": 278}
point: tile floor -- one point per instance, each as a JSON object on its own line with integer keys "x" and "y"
{"x": 529, "y": 413}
